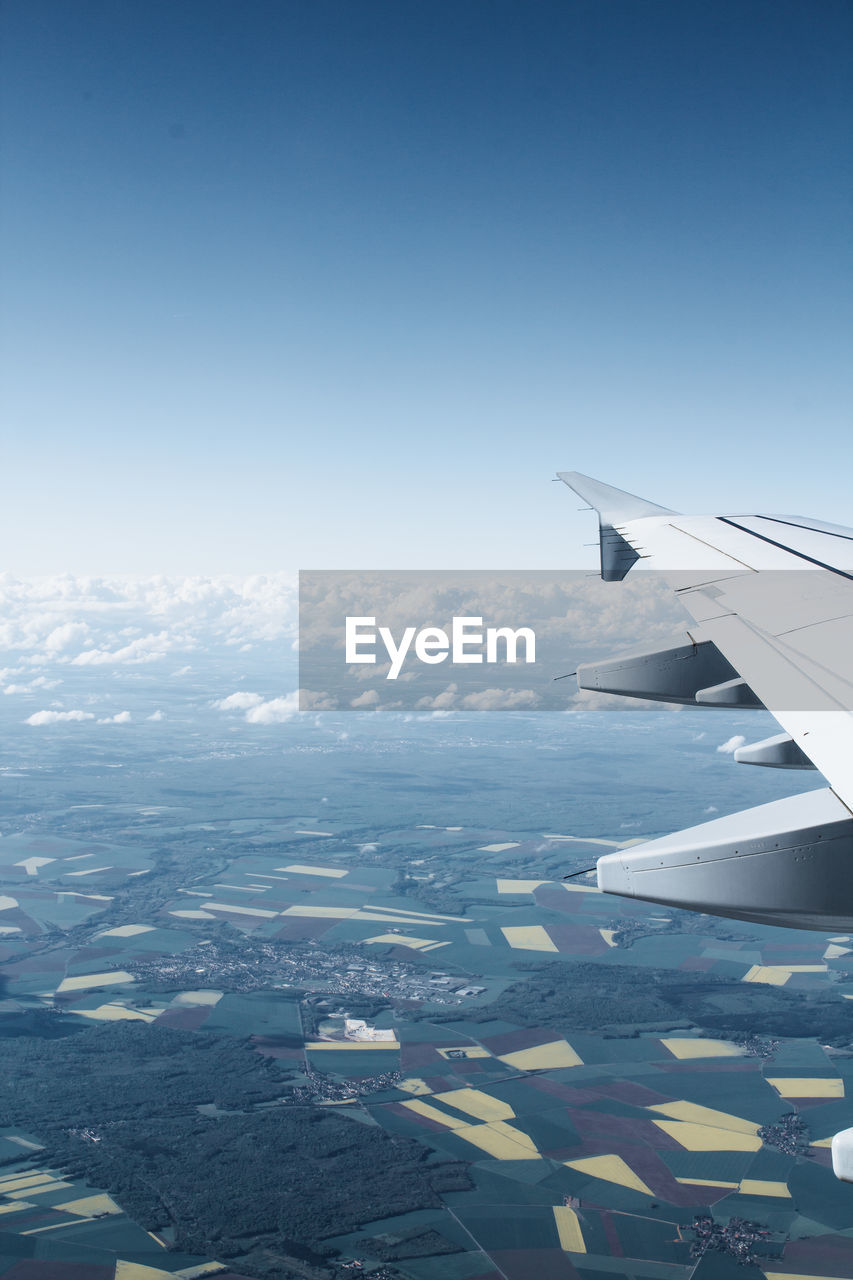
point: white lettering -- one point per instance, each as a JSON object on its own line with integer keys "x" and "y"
{"x": 510, "y": 638}
{"x": 432, "y": 645}
{"x": 462, "y": 637}
{"x": 397, "y": 653}
{"x": 354, "y": 639}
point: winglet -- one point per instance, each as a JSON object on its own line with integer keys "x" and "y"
{"x": 614, "y": 508}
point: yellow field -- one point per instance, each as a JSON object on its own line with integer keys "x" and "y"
{"x": 260, "y": 912}
{"x": 697, "y": 1048}
{"x": 43, "y": 1188}
{"x": 90, "y": 1205}
{"x": 126, "y": 931}
{"x": 298, "y": 869}
{"x": 543, "y": 1057}
{"x": 416, "y": 915}
{"x": 607, "y": 935}
{"x": 481, "y": 1105}
{"x": 415, "y": 944}
{"x": 432, "y": 1113}
{"x": 834, "y": 952}
{"x": 707, "y": 1182}
{"x": 414, "y": 1085}
{"x": 470, "y": 1051}
{"x": 696, "y": 1114}
{"x": 322, "y": 913}
{"x": 14, "y": 1182}
{"x": 495, "y": 1137}
{"x": 581, "y": 888}
{"x": 87, "y": 980}
{"x": 609, "y": 844}
{"x": 706, "y": 1137}
{"x": 789, "y": 1275}
{"x": 569, "y": 1229}
{"x": 527, "y": 937}
{"x": 117, "y": 1013}
{"x": 497, "y": 848}
{"x": 776, "y": 975}
{"x": 393, "y": 917}
{"x": 500, "y": 1140}
{"x": 198, "y": 997}
{"x": 807, "y": 1086}
{"x": 203, "y": 1269}
{"x": 759, "y": 1187}
{"x": 192, "y": 915}
{"x": 610, "y": 1169}
{"x": 137, "y": 1271}
{"x": 310, "y": 912}
{"x": 519, "y": 886}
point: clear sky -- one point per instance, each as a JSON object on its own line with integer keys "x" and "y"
{"x": 327, "y": 283}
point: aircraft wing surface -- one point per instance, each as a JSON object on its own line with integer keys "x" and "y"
{"x": 771, "y": 598}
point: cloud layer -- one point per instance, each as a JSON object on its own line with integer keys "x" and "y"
{"x": 128, "y": 622}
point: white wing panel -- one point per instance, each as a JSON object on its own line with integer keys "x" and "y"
{"x": 775, "y": 595}
{"x": 832, "y": 547}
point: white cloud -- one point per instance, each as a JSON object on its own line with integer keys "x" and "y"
{"x": 40, "y": 682}
{"x": 144, "y": 649}
{"x": 260, "y": 710}
{"x": 121, "y": 717}
{"x": 156, "y": 715}
{"x": 731, "y": 745}
{"x": 441, "y": 701}
{"x": 315, "y": 700}
{"x": 64, "y": 637}
{"x": 369, "y": 698}
{"x": 54, "y": 717}
{"x": 102, "y": 621}
{"x": 500, "y": 699}
{"x": 240, "y": 701}
{"x": 276, "y": 711}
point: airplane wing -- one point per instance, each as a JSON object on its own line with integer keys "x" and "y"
{"x": 772, "y": 602}
{"x": 771, "y": 598}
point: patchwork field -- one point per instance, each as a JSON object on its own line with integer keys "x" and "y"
{"x": 532, "y": 1030}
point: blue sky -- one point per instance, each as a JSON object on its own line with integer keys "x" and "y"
{"x": 314, "y": 284}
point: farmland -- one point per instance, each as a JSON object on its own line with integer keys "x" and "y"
{"x": 545, "y": 1080}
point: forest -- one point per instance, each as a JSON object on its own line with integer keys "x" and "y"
{"x": 265, "y": 1185}
{"x": 617, "y": 998}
